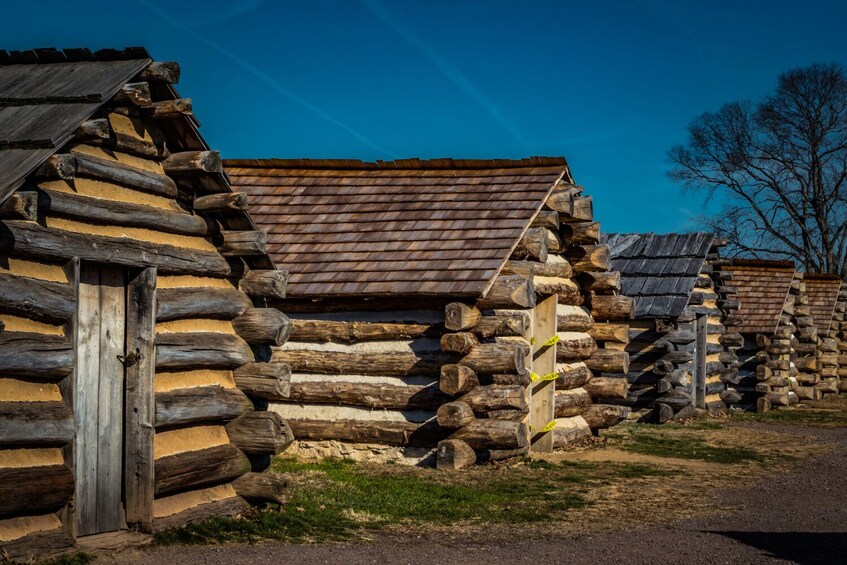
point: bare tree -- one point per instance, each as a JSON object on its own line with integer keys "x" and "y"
{"x": 781, "y": 166}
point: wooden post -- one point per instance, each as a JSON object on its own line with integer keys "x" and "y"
{"x": 140, "y": 405}
{"x": 68, "y": 389}
{"x": 543, "y": 401}
{"x": 700, "y": 362}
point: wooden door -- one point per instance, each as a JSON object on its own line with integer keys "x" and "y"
{"x": 543, "y": 401}
{"x": 101, "y": 328}
{"x": 699, "y": 380}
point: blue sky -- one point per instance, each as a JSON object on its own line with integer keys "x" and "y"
{"x": 609, "y": 85}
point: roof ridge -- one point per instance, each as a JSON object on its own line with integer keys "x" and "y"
{"x": 412, "y": 163}
{"x": 764, "y": 263}
{"x": 70, "y": 55}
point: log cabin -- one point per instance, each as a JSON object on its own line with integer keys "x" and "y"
{"x": 132, "y": 305}
{"x": 825, "y": 299}
{"x": 440, "y": 303}
{"x": 681, "y": 341}
{"x": 769, "y": 294}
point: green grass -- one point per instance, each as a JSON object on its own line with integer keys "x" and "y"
{"x": 688, "y": 448}
{"x": 339, "y": 499}
{"x": 831, "y": 414}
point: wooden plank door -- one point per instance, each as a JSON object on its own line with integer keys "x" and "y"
{"x": 543, "y": 401}
{"x": 101, "y": 327}
{"x": 701, "y": 330}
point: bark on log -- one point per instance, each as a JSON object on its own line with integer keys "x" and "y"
{"x": 261, "y": 487}
{"x": 582, "y": 233}
{"x": 561, "y": 199}
{"x": 496, "y": 397}
{"x": 134, "y": 94}
{"x": 170, "y": 109}
{"x": 32, "y": 239}
{"x": 323, "y": 331}
{"x": 193, "y": 163}
{"x": 607, "y": 387}
{"x": 555, "y": 266}
{"x": 36, "y": 423}
{"x": 199, "y": 404}
{"x": 608, "y": 361}
{"x": 363, "y": 431}
{"x": 461, "y": 342}
{"x": 513, "y": 324}
{"x": 161, "y": 71}
{"x": 459, "y": 317}
{"x": 224, "y": 202}
{"x": 119, "y": 213}
{"x": 567, "y": 290}
{"x": 453, "y": 415}
{"x": 570, "y": 430}
{"x": 382, "y": 396}
{"x": 113, "y": 171}
{"x": 262, "y": 326}
{"x": 600, "y": 416}
{"x": 196, "y": 469}
{"x": 260, "y": 433}
{"x": 572, "y": 375}
{"x": 191, "y": 302}
{"x": 509, "y": 291}
{"x": 493, "y": 434}
{"x": 270, "y": 381}
{"x": 35, "y": 355}
{"x": 22, "y": 205}
{"x": 573, "y": 319}
{"x": 57, "y": 166}
{"x": 243, "y": 243}
{"x": 454, "y": 454}
{"x": 546, "y": 219}
{"x": 610, "y": 333}
{"x": 225, "y": 507}
{"x": 390, "y": 363}
{"x": 574, "y": 346}
{"x": 571, "y": 402}
{"x": 490, "y": 358}
{"x": 264, "y": 284}
{"x": 589, "y": 258}
{"x": 457, "y": 379}
{"x": 534, "y": 244}
{"x": 97, "y": 128}
{"x": 201, "y": 350}
{"x": 29, "y": 491}
{"x": 600, "y": 282}
{"x": 611, "y": 308}
{"x": 40, "y": 300}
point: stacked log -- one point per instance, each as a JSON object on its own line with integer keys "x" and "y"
{"x": 838, "y": 331}
{"x": 806, "y": 356}
{"x": 116, "y": 195}
{"x": 775, "y": 372}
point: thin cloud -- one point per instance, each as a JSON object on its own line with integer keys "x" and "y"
{"x": 262, "y": 75}
{"x": 447, "y": 69}
{"x": 225, "y": 14}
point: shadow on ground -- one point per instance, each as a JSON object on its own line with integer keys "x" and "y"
{"x": 806, "y": 548}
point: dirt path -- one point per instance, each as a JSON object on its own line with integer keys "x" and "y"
{"x": 798, "y": 517}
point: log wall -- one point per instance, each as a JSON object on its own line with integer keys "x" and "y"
{"x": 125, "y": 198}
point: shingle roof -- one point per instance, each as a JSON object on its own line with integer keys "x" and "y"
{"x": 762, "y": 288}
{"x": 46, "y": 94}
{"x": 411, "y": 227}
{"x": 658, "y": 271}
{"x": 823, "y": 294}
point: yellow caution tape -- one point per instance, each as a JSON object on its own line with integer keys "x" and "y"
{"x": 532, "y": 341}
{"x": 548, "y": 377}
{"x": 552, "y": 341}
{"x": 548, "y": 428}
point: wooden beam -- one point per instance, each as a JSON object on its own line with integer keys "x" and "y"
{"x": 200, "y": 302}
{"x": 260, "y": 433}
{"x": 486, "y": 398}
{"x": 582, "y": 233}
{"x": 534, "y": 244}
{"x": 35, "y": 355}
{"x": 161, "y": 71}
{"x": 57, "y": 166}
{"x": 454, "y": 415}
{"x": 203, "y": 467}
{"x": 368, "y": 431}
{"x": 36, "y": 423}
{"x": 170, "y": 109}
{"x": 41, "y": 300}
{"x": 589, "y": 258}
{"x": 97, "y": 128}
{"x": 460, "y": 317}
{"x": 193, "y": 163}
{"x": 454, "y": 454}
{"x": 221, "y": 202}
{"x": 29, "y": 491}
{"x": 243, "y": 243}
{"x": 201, "y": 350}
{"x": 493, "y": 434}
{"x": 509, "y": 291}
{"x": 323, "y": 331}
{"x": 200, "y": 404}
{"x": 85, "y": 208}
{"x": 490, "y": 358}
{"x": 126, "y": 175}
{"x": 388, "y": 363}
{"x": 381, "y": 396}
{"x": 457, "y": 379}
{"x": 134, "y": 94}
{"x": 22, "y": 205}
{"x": 270, "y": 381}
{"x": 30, "y": 238}
{"x": 262, "y": 326}
{"x": 140, "y": 411}
{"x": 261, "y": 487}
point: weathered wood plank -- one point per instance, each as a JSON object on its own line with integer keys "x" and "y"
{"x": 35, "y": 423}
{"x": 201, "y": 350}
{"x": 200, "y": 404}
{"x": 203, "y": 467}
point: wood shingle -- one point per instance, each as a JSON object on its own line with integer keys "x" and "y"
{"x": 762, "y": 287}
{"x": 823, "y": 294}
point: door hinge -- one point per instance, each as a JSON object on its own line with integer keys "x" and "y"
{"x": 131, "y": 359}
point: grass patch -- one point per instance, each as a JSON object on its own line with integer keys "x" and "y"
{"x": 79, "y": 558}
{"x": 340, "y": 499}
{"x": 830, "y": 413}
{"x": 657, "y": 445}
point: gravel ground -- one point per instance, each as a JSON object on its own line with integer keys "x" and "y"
{"x": 796, "y": 517}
